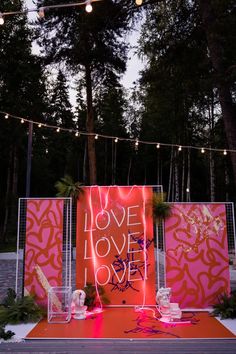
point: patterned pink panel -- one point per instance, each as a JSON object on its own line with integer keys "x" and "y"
{"x": 197, "y": 263}
{"x": 43, "y": 248}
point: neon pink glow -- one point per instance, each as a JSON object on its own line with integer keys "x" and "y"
{"x": 92, "y": 244}
{"x": 115, "y": 244}
{"x": 144, "y": 243}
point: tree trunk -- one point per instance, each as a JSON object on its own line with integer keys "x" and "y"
{"x": 183, "y": 177}
{"x": 212, "y": 177}
{"x": 176, "y": 179}
{"x": 85, "y": 163}
{"x": 170, "y": 176}
{"x": 7, "y": 200}
{"x": 90, "y": 127}
{"x": 188, "y": 191}
{"x": 216, "y": 51}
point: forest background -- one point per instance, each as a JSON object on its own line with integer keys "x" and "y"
{"x": 176, "y": 126}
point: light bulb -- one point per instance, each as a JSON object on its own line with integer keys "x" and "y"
{"x": 58, "y": 130}
{"x": 77, "y": 134}
{"x": 6, "y": 116}
{"x": 41, "y": 12}
{"x": 88, "y": 7}
{"x": 96, "y": 137}
{"x": 22, "y": 121}
{"x": 225, "y": 152}
{"x": 39, "y": 125}
{"x": 180, "y": 148}
{"x": 158, "y": 146}
{"x": 202, "y": 150}
{"x": 136, "y": 143}
{"x": 138, "y": 2}
{"x": 1, "y": 19}
{"x": 187, "y": 190}
{"x": 116, "y": 140}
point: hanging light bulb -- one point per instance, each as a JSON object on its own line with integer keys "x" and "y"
{"x": 116, "y": 140}
{"x": 46, "y": 151}
{"x": 158, "y": 146}
{"x": 187, "y": 190}
{"x": 40, "y": 125}
{"x": 58, "y": 130}
{"x": 6, "y": 116}
{"x": 202, "y": 150}
{"x": 77, "y": 134}
{"x": 41, "y": 12}
{"x": 225, "y": 152}
{"x": 136, "y": 142}
{"x": 96, "y": 137}
{"x": 180, "y": 148}
{"x": 22, "y": 121}
{"x": 138, "y": 2}
{"x": 88, "y": 7}
{"x": 1, "y": 19}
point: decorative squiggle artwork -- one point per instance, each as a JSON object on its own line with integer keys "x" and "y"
{"x": 43, "y": 247}
{"x": 115, "y": 245}
{"x": 149, "y": 324}
{"x": 197, "y": 262}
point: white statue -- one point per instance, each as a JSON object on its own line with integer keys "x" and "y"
{"x": 78, "y": 308}
{"x": 169, "y": 311}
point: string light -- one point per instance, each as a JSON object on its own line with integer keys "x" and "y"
{"x": 77, "y": 134}
{"x": 116, "y": 139}
{"x": 180, "y": 148}
{"x": 1, "y": 19}
{"x": 88, "y": 7}
{"x": 40, "y": 125}
{"x": 41, "y": 10}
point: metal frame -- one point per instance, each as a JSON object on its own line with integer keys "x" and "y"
{"x": 66, "y": 243}
{"x": 229, "y": 222}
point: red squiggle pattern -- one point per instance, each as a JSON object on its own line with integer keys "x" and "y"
{"x": 43, "y": 248}
{"x": 197, "y": 263}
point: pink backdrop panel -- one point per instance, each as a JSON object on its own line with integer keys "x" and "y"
{"x": 197, "y": 262}
{"x": 115, "y": 243}
{"x": 43, "y": 247}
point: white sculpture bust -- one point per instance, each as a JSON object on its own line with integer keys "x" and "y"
{"x": 169, "y": 311}
{"x": 78, "y": 308}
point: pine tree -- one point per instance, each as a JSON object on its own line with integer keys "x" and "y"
{"x": 90, "y": 44}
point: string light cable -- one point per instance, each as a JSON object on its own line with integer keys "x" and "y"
{"x": 41, "y": 10}
{"x": 136, "y": 142}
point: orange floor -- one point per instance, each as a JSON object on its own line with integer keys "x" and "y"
{"x": 126, "y": 323}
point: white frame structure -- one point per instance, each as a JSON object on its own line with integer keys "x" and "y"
{"x": 66, "y": 243}
{"x": 231, "y": 233}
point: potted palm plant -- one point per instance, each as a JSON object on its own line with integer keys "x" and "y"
{"x": 160, "y": 209}
{"x": 66, "y": 187}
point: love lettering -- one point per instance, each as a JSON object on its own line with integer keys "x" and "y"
{"x": 112, "y": 239}
{"x": 103, "y": 219}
